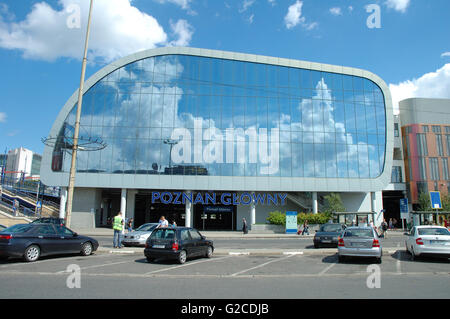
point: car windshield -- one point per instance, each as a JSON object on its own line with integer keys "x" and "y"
{"x": 434, "y": 231}
{"x": 163, "y": 234}
{"x": 331, "y": 228}
{"x": 358, "y": 233}
{"x": 17, "y": 229}
{"x": 146, "y": 227}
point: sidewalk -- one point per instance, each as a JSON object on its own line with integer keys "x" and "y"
{"x": 220, "y": 234}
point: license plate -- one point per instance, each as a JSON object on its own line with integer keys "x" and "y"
{"x": 438, "y": 242}
{"x": 357, "y": 245}
{"x": 326, "y": 241}
{"x": 159, "y": 246}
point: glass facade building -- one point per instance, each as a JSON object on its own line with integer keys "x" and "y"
{"x": 229, "y": 118}
{"x": 195, "y": 120}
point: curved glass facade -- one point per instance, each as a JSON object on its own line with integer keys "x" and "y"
{"x": 189, "y": 115}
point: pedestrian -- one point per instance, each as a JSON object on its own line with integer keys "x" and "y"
{"x": 446, "y": 224}
{"x": 163, "y": 222}
{"x": 244, "y": 226}
{"x": 118, "y": 227}
{"x": 390, "y": 224}
{"x": 130, "y": 225}
{"x": 305, "y": 228}
{"x": 384, "y": 227}
{"x": 174, "y": 223}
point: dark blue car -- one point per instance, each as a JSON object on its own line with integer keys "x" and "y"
{"x": 31, "y": 241}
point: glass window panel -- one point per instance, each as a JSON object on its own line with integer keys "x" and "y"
{"x": 296, "y": 115}
{"x": 239, "y": 111}
{"x": 285, "y": 159}
{"x": 305, "y": 79}
{"x": 341, "y": 155}
{"x": 273, "y": 113}
{"x": 328, "y": 117}
{"x": 352, "y": 154}
{"x": 350, "y": 120}
{"x": 308, "y": 160}
{"x": 297, "y": 160}
{"x": 374, "y": 164}
{"x": 316, "y": 79}
{"x": 319, "y": 137}
{"x": 317, "y": 116}
{"x": 283, "y": 76}
{"x": 381, "y": 150}
{"x": 347, "y": 81}
{"x": 294, "y": 78}
{"x": 320, "y": 160}
{"x": 358, "y": 84}
{"x": 307, "y": 115}
{"x": 331, "y": 160}
{"x": 262, "y": 112}
{"x": 363, "y": 161}
{"x": 308, "y": 137}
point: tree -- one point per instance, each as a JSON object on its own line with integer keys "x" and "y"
{"x": 424, "y": 202}
{"x": 333, "y": 203}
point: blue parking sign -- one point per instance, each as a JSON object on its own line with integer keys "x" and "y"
{"x": 435, "y": 198}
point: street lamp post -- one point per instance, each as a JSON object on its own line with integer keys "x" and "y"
{"x": 171, "y": 143}
{"x": 77, "y": 125}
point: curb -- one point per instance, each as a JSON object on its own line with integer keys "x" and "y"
{"x": 248, "y": 252}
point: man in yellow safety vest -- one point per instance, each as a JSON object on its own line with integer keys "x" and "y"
{"x": 118, "y": 227}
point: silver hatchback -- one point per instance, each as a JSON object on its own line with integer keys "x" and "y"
{"x": 139, "y": 236}
{"x": 359, "y": 242}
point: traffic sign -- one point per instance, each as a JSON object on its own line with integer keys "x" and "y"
{"x": 435, "y": 198}
{"x": 39, "y": 204}
{"x": 404, "y": 208}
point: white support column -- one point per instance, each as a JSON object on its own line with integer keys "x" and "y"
{"x": 123, "y": 204}
{"x": 188, "y": 212}
{"x": 62, "y": 203}
{"x": 252, "y": 212}
{"x": 315, "y": 204}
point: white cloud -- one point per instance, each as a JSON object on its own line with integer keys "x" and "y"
{"x": 398, "y": 5}
{"x": 2, "y": 117}
{"x": 293, "y": 17}
{"x": 246, "y": 4}
{"x": 336, "y": 11}
{"x": 183, "y": 30}
{"x": 431, "y": 85}
{"x": 272, "y": 2}
{"x": 118, "y": 29}
{"x": 350, "y": 8}
{"x": 445, "y": 54}
{"x": 251, "y": 18}
{"x": 183, "y": 4}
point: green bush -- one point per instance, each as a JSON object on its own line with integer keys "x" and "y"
{"x": 279, "y": 218}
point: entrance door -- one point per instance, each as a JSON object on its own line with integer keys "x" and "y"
{"x": 214, "y": 217}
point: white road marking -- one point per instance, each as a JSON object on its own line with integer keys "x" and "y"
{"x": 49, "y": 259}
{"x": 398, "y": 263}
{"x": 98, "y": 266}
{"x": 185, "y": 265}
{"x": 326, "y": 269}
{"x": 259, "y": 266}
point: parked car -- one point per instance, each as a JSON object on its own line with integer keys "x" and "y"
{"x": 177, "y": 243}
{"x": 328, "y": 235}
{"x": 139, "y": 236}
{"x": 428, "y": 241}
{"x": 2, "y": 227}
{"x": 50, "y": 220}
{"x": 359, "y": 242}
{"x": 32, "y": 241}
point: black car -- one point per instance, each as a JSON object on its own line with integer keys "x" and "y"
{"x": 50, "y": 220}
{"x": 31, "y": 241}
{"x": 328, "y": 235}
{"x": 177, "y": 243}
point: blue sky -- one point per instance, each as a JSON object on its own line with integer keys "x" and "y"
{"x": 41, "y": 44}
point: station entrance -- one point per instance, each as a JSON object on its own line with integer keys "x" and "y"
{"x": 204, "y": 217}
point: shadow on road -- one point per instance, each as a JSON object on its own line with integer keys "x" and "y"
{"x": 405, "y": 256}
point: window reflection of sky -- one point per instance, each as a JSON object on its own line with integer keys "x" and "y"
{"x": 329, "y": 125}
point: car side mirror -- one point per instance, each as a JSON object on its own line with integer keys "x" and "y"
{"x": 75, "y": 235}
{"x": 203, "y": 237}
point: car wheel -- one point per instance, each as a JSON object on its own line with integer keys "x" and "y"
{"x": 86, "y": 249}
{"x": 379, "y": 260}
{"x": 182, "y": 257}
{"x": 413, "y": 255}
{"x": 209, "y": 252}
{"x": 32, "y": 253}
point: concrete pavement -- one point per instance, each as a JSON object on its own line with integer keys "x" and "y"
{"x": 237, "y": 235}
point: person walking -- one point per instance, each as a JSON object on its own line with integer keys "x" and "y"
{"x": 244, "y": 226}
{"x": 305, "y": 228}
{"x": 118, "y": 227}
{"x": 174, "y": 223}
{"x": 130, "y": 225}
{"x": 384, "y": 227}
{"x": 163, "y": 222}
{"x": 391, "y": 224}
